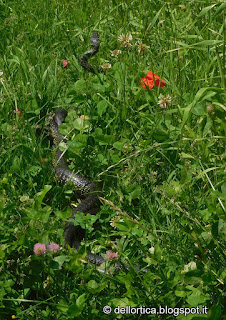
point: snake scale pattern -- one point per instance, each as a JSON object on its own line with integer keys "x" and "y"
{"x": 87, "y": 190}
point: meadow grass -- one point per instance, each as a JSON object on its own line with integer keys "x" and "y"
{"x": 161, "y": 167}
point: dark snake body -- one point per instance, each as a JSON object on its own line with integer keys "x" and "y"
{"x": 86, "y": 189}
{"x": 95, "y": 44}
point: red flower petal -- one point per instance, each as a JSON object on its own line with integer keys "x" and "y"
{"x": 65, "y": 63}
{"x": 19, "y": 112}
{"x": 146, "y": 83}
{"x": 149, "y": 81}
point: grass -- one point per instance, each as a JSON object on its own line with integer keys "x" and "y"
{"x": 161, "y": 170}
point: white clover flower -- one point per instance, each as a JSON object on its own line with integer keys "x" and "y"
{"x": 115, "y": 220}
{"x": 106, "y": 66}
{"x": 164, "y": 102}
{"x": 115, "y": 52}
{"x": 125, "y": 40}
{"x": 141, "y": 47}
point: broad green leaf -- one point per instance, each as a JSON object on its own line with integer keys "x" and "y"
{"x": 80, "y": 86}
{"x": 119, "y": 145}
{"x": 81, "y": 301}
{"x": 81, "y": 124}
{"x": 181, "y": 294}
{"x": 102, "y": 107}
{"x": 92, "y": 284}
{"x": 60, "y": 260}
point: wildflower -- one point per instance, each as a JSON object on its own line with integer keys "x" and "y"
{"x": 10, "y": 174}
{"x": 115, "y": 220}
{"x": 65, "y": 63}
{"x": 47, "y": 282}
{"x": 1, "y": 78}
{"x": 115, "y": 52}
{"x": 39, "y": 249}
{"x": 164, "y": 102}
{"x": 19, "y": 112}
{"x": 84, "y": 117}
{"x": 111, "y": 255}
{"x": 152, "y": 250}
{"x": 53, "y": 247}
{"x": 141, "y": 47}
{"x": 13, "y": 316}
{"x": 43, "y": 160}
{"x": 210, "y": 108}
{"x": 106, "y": 66}
{"x": 190, "y": 266}
{"x": 125, "y": 40}
{"x": 24, "y": 198}
{"x": 149, "y": 81}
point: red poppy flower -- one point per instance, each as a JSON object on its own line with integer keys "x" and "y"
{"x": 19, "y": 112}
{"x": 65, "y": 63}
{"x": 149, "y": 81}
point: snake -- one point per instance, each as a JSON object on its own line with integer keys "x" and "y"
{"x": 87, "y": 190}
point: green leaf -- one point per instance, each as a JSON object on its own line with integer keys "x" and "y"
{"x": 102, "y": 107}
{"x": 60, "y": 260}
{"x": 102, "y": 138}
{"x": 85, "y": 221}
{"x": 80, "y": 86}
{"x": 76, "y": 309}
{"x": 154, "y": 20}
{"x": 134, "y": 194}
{"x": 214, "y": 313}
{"x": 92, "y": 284}
{"x": 35, "y": 106}
{"x": 81, "y": 124}
{"x": 205, "y": 10}
{"x": 40, "y": 196}
{"x": 199, "y": 110}
{"x": 78, "y": 143}
{"x": 207, "y": 128}
{"x": 181, "y": 294}
{"x": 200, "y": 95}
{"x": 119, "y": 145}
{"x": 158, "y": 252}
{"x": 221, "y": 227}
{"x": 223, "y": 189}
{"x": 81, "y": 301}
{"x": 221, "y": 8}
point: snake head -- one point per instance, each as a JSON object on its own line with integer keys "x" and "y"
{"x": 59, "y": 117}
{"x": 95, "y": 40}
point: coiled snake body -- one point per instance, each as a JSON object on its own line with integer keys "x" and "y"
{"x": 87, "y": 190}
